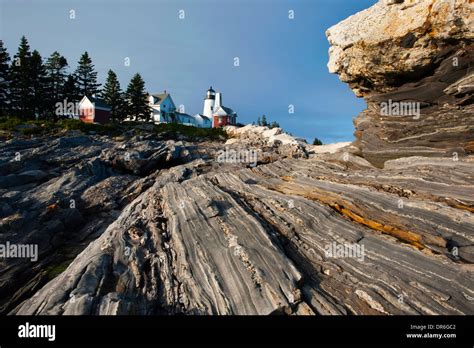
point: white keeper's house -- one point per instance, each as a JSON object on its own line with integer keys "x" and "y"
{"x": 163, "y": 110}
{"x": 162, "y": 107}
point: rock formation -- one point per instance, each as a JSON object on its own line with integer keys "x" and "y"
{"x": 409, "y": 53}
{"x": 160, "y": 226}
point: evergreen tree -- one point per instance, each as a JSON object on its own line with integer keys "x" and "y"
{"x": 55, "y": 80}
{"x": 112, "y": 95}
{"x": 264, "y": 121}
{"x": 316, "y": 141}
{"x": 70, "y": 91}
{"x": 274, "y": 124}
{"x": 4, "y": 80}
{"x": 37, "y": 101}
{"x": 86, "y": 77}
{"x": 21, "y": 90}
{"x": 259, "y": 122}
{"x": 137, "y": 107}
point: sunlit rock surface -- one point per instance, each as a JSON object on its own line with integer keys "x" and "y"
{"x": 165, "y": 227}
{"x": 416, "y": 56}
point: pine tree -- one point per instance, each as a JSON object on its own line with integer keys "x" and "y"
{"x": 37, "y": 101}
{"x": 113, "y": 96}
{"x": 259, "y": 122}
{"x": 86, "y": 77}
{"x": 137, "y": 107}
{"x": 55, "y": 80}
{"x": 274, "y": 124}
{"x": 4, "y": 80}
{"x": 70, "y": 91}
{"x": 316, "y": 141}
{"x": 264, "y": 120}
{"x": 21, "y": 90}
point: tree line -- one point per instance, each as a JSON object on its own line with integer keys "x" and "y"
{"x": 31, "y": 87}
{"x": 263, "y": 122}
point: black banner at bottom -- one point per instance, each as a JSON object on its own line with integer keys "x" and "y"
{"x": 135, "y": 331}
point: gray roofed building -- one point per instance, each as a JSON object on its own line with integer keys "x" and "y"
{"x": 229, "y": 111}
{"x": 159, "y": 98}
{"x": 100, "y": 103}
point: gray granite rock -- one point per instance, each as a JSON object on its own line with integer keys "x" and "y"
{"x": 383, "y": 226}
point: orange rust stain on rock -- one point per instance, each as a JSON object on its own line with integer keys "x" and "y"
{"x": 52, "y": 206}
{"x": 454, "y": 204}
{"x": 406, "y": 236}
{"x": 469, "y": 147}
{"x": 336, "y": 203}
{"x": 462, "y": 207}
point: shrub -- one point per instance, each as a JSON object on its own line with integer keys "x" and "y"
{"x": 32, "y": 131}
{"x": 175, "y": 129}
{"x": 316, "y": 141}
{"x": 109, "y": 128}
{"x": 9, "y": 123}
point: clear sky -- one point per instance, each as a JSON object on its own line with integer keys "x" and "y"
{"x": 282, "y": 61}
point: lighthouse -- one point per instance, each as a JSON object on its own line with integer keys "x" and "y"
{"x": 209, "y": 102}
{"x": 215, "y": 114}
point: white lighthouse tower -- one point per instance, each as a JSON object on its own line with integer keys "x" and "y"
{"x": 209, "y": 102}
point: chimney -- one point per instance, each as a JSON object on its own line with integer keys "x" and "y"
{"x": 218, "y": 101}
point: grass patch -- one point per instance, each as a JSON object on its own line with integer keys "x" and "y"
{"x": 55, "y": 270}
{"x": 175, "y": 129}
{"x": 43, "y": 127}
{"x": 171, "y": 130}
{"x": 31, "y": 131}
{"x": 9, "y": 123}
{"x": 109, "y": 128}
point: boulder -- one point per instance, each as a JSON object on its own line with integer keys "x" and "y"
{"x": 411, "y": 61}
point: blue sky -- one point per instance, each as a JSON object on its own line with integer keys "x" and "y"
{"x": 282, "y": 61}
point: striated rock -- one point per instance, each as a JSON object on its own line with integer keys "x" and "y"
{"x": 255, "y": 241}
{"x": 206, "y": 237}
{"x": 327, "y": 148}
{"x": 61, "y": 194}
{"x": 461, "y": 87}
{"x": 445, "y": 132}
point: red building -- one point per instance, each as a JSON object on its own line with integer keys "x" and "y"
{"x": 222, "y": 120}
{"x": 221, "y": 116}
{"x": 94, "y": 110}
